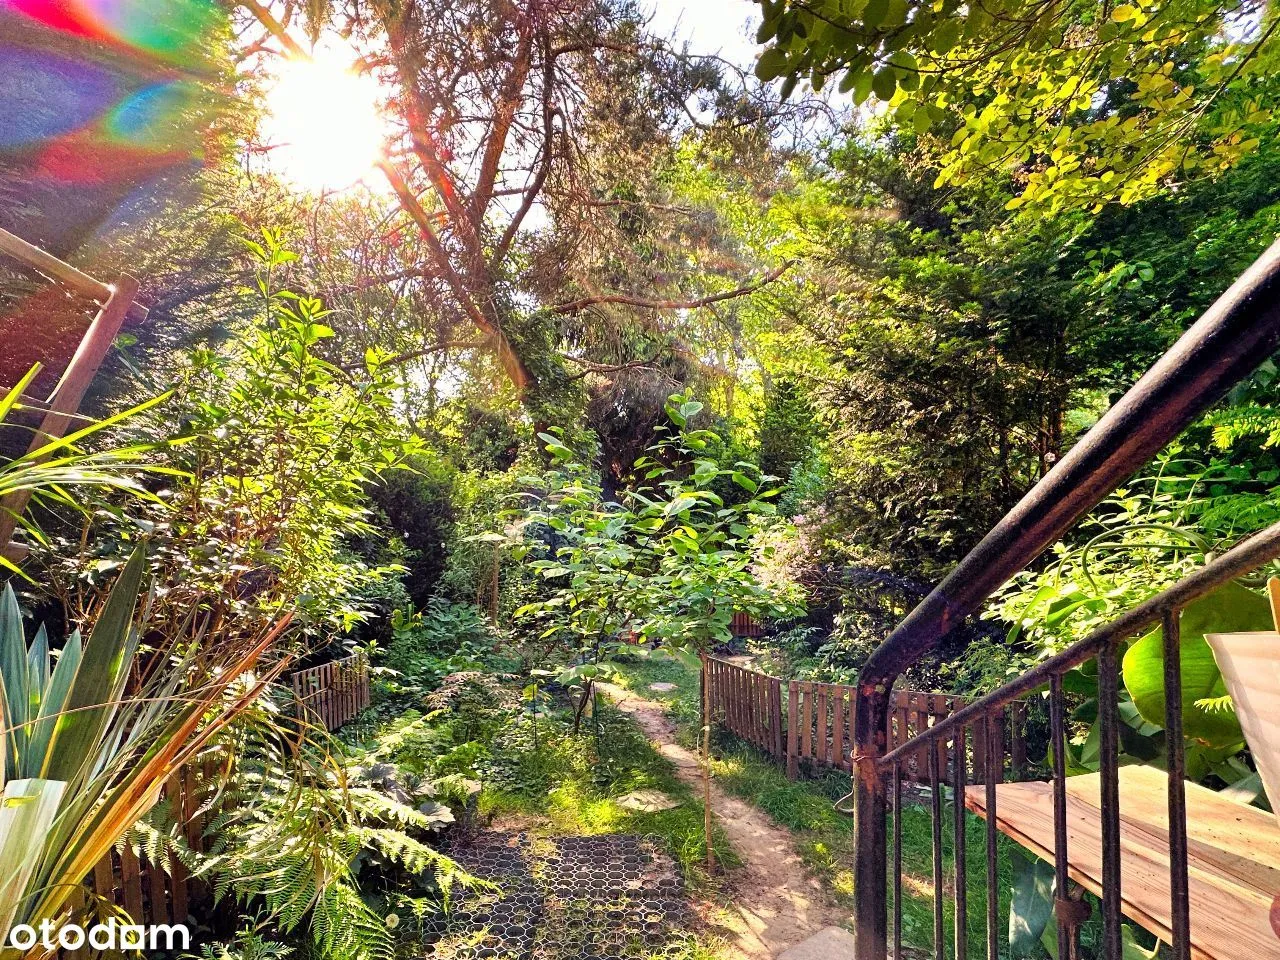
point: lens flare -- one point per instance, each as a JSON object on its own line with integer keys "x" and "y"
{"x": 45, "y": 95}
{"x": 323, "y": 125}
{"x": 171, "y": 30}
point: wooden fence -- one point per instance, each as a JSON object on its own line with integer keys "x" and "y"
{"x": 797, "y": 721}
{"x": 334, "y": 692}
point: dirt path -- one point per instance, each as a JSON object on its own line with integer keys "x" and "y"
{"x": 776, "y": 902}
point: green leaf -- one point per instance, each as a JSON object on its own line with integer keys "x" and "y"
{"x": 1230, "y": 609}
{"x": 1032, "y": 905}
{"x": 100, "y": 681}
{"x": 884, "y": 83}
{"x": 14, "y": 674}
{"x": 771, "y": 65}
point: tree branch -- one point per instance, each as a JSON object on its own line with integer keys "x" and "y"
{"x": 625, "y": 299}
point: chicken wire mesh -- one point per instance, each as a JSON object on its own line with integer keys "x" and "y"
{"x": 616, "y": 897}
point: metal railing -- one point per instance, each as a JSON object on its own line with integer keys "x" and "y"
{"x": 1236, "y": 334}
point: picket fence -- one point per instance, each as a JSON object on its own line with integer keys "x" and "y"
{"x": 333, "y": 693}
{"x": 811, "y": 724}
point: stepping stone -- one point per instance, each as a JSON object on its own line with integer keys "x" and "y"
{"x": 647, "y": 801}
{"x": 833, "y": 943}
{"x": 663, "y": 687}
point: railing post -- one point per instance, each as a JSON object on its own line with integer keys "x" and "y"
{"x": 871, "y": 913}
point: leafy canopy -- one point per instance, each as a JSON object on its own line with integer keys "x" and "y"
{"x": 1089, "y": 103}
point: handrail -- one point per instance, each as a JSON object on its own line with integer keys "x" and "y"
{"x": 1227, "y": 343}
{"x": 1239, "y": 560}
{"x": 1232, "y": 337}
{"x": 64, "y": 273}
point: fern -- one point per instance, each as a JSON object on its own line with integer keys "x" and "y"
{"x": 1222, "y": 704}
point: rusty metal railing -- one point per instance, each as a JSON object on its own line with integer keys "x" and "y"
{"x": 1235, "y": 335}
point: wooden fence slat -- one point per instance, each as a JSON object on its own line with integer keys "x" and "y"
{"x": 104, "y": 880}
{"x": 819, "y": 717}
{"x": 156, "y": 892}
{"x": 775, "y": 705}
{"x": 920, "y": 707}
{"x": 179, "y": 877}
{"x": 793, "y": 729}
{"x": 131, "y": 883}
{"x": 806, "y": 730}
{"x": 837, "y": 724}
{"x": 822, "y": 723}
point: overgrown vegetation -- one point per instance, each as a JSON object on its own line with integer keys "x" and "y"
{"x": 549, "y": 341}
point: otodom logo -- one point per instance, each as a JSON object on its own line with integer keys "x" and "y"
{"x": 101, "y": 936}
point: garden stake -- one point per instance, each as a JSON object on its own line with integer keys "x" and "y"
{"x": 706, "y": 769}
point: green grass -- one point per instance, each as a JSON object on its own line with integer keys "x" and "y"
{"x": 824, "y": 837}
{"x": 591, "y": 775}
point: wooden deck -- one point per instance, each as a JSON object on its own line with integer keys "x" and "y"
{"x": 1234, "y": 856}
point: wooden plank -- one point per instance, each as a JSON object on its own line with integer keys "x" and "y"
{"x": 806, "y": 727}
{"x": 903, "y": 722}
{"x": 920, "y": 708}
{"x": 977, "y": 737}
{"x": 1234, "y": 864}
{"x": 131, "y": 883}
{"x": 823, "y": 723}
{"x": 940, "y": 709}
{"x": 837, "y": 727}
{"x": 776, "y": 746}
{"x": 157, "y": 894}
{"x": 71, "y": 388}
{"x": 104, "y": 880}
{"x": 793, "y": 729}
{"x": 761, "y": 699}
{"x": 1018, "y": 740}
{"x": 178, "y": 878}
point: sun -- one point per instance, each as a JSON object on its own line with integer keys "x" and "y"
{"x": 324, "y": 123}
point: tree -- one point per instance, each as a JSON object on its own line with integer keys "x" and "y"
{"x": 1083, "y": 103}
{"x": 669, "y": 560}
{"x": 532, "y": 139}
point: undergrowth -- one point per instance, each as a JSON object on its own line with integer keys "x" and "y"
{"x": 823, "y": 836}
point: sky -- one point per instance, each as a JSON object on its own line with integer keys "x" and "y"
{"x": 726, "y": 27}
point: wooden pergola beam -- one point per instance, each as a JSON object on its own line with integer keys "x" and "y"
{"x": 64, "y": 273}
{"x": 116, "y": 302}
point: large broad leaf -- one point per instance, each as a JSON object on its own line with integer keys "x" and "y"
{"x": 1230, "y": 609}
{"x": 1032, "y": 905}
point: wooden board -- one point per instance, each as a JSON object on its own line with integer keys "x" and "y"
{"x": 1234, "y": 864}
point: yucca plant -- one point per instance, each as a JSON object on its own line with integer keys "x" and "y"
{"x": 95, "y": 737}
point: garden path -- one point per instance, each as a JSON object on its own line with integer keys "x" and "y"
{"x": 777, "y": 903}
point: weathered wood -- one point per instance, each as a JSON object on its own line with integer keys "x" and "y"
{"x": 1234, "y": 855}
{"x": 806, "y": 729}
{"x": 66, "y": 397}
{"x": 823, "y": 723}
{"x": 131, "y": 883}
{"x": 777, "y": 747}
{"x": 793, "y": 729}
{"x": 837, "y": 724}
{"x": 173, "y": 791}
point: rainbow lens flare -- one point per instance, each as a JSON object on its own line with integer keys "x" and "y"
{"x": 45, "y": 95}
{"x": 170, "y": 30}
